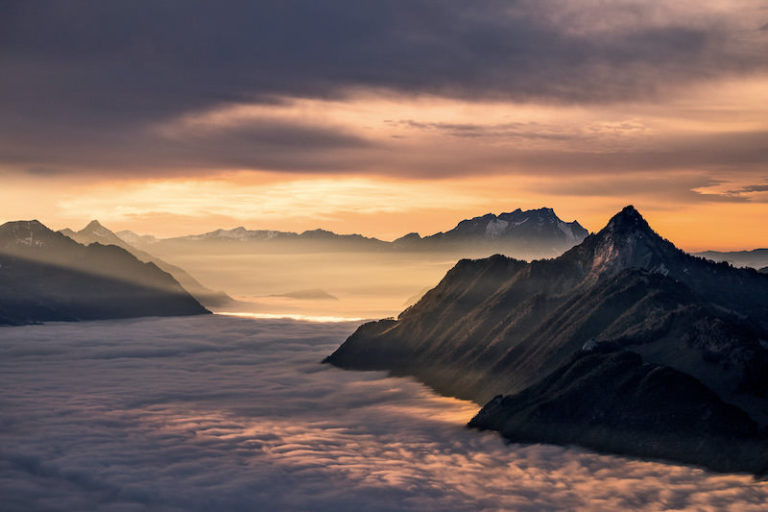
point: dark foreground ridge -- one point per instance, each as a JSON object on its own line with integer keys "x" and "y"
{"x": 47, "y": 276}
{"x": 623, "y": 344}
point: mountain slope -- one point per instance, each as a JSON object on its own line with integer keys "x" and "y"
{"x": 649, "y": 411}
{"x": 46, "y": 276}
{"x": 499, "y": 326}
{"x": 94, "y": 232}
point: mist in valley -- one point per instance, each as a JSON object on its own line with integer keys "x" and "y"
{"x": 225, "y": 413}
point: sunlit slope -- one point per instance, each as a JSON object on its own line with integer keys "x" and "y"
{"x": 94, "y": 232}
{"x": 499, "y": 326}
{"x": 46, "y": 276}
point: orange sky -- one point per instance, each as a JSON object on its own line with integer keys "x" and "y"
{"x": 674, "y": 122}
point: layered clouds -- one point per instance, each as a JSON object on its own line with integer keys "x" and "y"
{"x": 622, "y": 92}
{"x": 237, "y": 414}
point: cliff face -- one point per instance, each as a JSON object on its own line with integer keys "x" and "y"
{"x": 501, "y": 326}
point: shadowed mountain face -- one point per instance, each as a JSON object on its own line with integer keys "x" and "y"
{"x": 502, "y": 326}
{"x": 94, "y": 232}
{"x": 47, "y": 276}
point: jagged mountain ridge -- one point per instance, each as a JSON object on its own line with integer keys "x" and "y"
{"x": 499, "y": 325}
{"x": 95, "y": 232}
{"x": 529, "y": 233}
{"x": 535, "y": 231}
{"x": 47, "y": 276}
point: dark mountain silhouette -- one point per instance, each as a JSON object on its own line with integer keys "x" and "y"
{"x": 538, "y": 232}
{"x": 47, "y": 276}
{"x": 502, "y": 326}
{"x": 755, "y": 258}
{"x": 94, "y": 232}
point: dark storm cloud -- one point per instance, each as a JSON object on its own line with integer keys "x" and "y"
{"x": 259, "y": 143}
{"x": 82, "y": 82}
{"x": 136, "y": 59}
{"x": 221, "y": 413}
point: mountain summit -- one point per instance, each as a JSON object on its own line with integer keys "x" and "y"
{"x": 539, "y": 232}
{"x": 624, "y": 344}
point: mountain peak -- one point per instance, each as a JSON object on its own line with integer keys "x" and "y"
{"x": 94, "y": 224}
{"x": 627, "y": 241}
{"x": 24, "y": 226}
{"x": 628, "y": 219}
{"x": 29, "y": 233}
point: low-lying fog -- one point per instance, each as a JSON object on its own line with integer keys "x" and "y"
{"x": 225, "y": 414}
{"x": 365, "y": 285}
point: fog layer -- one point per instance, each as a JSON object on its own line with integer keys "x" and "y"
{"x": 225, "y": 413}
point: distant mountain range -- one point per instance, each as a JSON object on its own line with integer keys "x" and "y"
{"x": 755, "y": 258}
{"x": 94, "y": 232}
{"x": 529, "y": 233}
{"x": 624, "y": 344}
{"x": 47, "y": 276}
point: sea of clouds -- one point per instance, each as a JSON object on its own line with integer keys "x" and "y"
{"x": 227, "y": 414}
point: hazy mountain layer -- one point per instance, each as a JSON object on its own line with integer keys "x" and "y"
{"x": 755, "y": 258}
{"x": 538, "y": 232}
{"x": 530, "y": 233}
{"x": 500, "y": 326}
{"x": 94, "y": 232}
{"x": 47, "y": 276}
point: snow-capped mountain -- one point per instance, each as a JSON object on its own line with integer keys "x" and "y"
{"x": 538, "y": 231}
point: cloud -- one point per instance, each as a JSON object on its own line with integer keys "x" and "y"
{"x": 184, "y": 55}
{"x": 85, "y": 84}
{"x": 231, "y": 414}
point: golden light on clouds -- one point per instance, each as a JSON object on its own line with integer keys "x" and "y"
{"x": 423, "y": 163}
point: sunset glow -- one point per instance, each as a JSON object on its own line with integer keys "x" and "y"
{"x": 382, "y": 157}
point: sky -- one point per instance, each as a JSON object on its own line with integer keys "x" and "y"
{"x": 384, "y": 118}
{"x": 218, "y": 413}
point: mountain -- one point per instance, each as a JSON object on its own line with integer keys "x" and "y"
{"x": 624, "y": 344}
{"x": 763, "y": 270}
{"x": 525, "y": 234}
{"x": 537, "y": 232}
{"x": 47, "y": 276}
{"x": 240, "y": 234}
{"x": 755, "y": 258}
{"x": 94, "y": 232}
